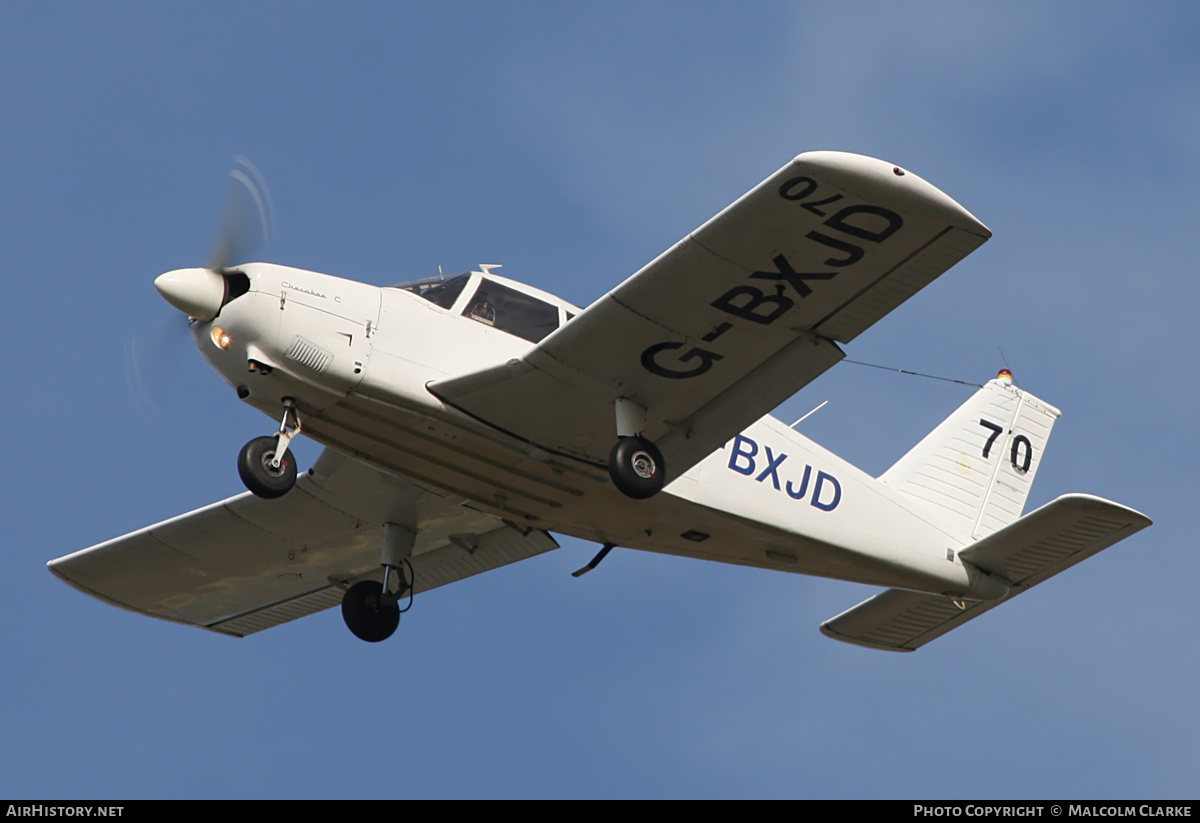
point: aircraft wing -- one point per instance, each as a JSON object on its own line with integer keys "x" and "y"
{"x": 246, "y": 564}
{"x": 735, "y": 318}
{"x": 1041, "y": 544}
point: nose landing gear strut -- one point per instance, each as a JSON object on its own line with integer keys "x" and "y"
{"x": 265, "y": 464}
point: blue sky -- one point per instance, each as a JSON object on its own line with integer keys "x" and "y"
{"x": 573, "y": 143}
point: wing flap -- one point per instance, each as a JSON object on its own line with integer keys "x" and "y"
{"x": 812, "y": 256}
{"x": 692, "y": 439}
{"x": 1045, "y": 542}
{"x": 279, "y": 613}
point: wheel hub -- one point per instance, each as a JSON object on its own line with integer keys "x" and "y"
{"x": 643, "y": 465}
{"x": 262, "y": 469}
{"x": 268, "y": 460}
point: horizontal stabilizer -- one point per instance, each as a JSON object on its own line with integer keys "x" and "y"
{"x": 1038, "y": 546}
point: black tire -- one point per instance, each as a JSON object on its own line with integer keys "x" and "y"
{"x": 364, "y": 616}
{"x": 254, "y": 467}
{"x": 637, "y": 468}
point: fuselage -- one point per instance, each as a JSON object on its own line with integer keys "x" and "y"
{"x": 357, "y": 359}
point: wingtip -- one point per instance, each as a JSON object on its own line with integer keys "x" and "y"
{"x": 1085, "y": 501}
{"x": 832, "y": 634}
{"x": 857, "y": 171}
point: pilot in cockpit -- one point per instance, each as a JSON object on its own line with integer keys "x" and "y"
{"x": 483, "y": 312}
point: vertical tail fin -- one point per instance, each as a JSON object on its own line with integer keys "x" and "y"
{"x": 973, "y": 473}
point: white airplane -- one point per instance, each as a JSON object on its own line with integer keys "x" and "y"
{"x": 466, "y": 417}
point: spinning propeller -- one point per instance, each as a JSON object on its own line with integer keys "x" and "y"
{"x": 245, "y": 228}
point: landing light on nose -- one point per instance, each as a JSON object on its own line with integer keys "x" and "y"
{"x": 197, "y": 293}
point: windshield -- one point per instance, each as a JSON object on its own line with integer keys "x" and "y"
{"x": 439, "y": 289}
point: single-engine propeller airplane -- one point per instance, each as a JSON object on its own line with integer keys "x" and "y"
{"x": 465, "y": 417}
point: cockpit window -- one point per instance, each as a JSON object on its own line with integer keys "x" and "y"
{"x": 511, "y": 311}
{"x": 437, "y": 290}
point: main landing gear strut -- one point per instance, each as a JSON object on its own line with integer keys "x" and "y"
{"x": 265, "y": 464}
{"x": 371, "y": 609}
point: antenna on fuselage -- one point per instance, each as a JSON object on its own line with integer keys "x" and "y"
{"x": 805, "y": 417}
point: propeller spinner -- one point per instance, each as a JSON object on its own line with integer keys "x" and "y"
{"x": 198, "y": 293}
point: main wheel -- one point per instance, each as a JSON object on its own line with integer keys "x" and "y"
{"x": 256, "y": 471}
{"x": 637, "y": 468}
{"x": 365, "y": 616}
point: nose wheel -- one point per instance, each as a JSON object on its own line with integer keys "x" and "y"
{"x": 266, "y": 464}
{"x": 257, "y": 467}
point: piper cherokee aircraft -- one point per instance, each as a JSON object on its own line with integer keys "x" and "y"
{"x": 466, "y": 417}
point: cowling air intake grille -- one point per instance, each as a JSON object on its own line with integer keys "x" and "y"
{"x": 309, "y": 354}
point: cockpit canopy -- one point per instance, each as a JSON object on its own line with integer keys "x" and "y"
{"x": 494, "y": 301}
